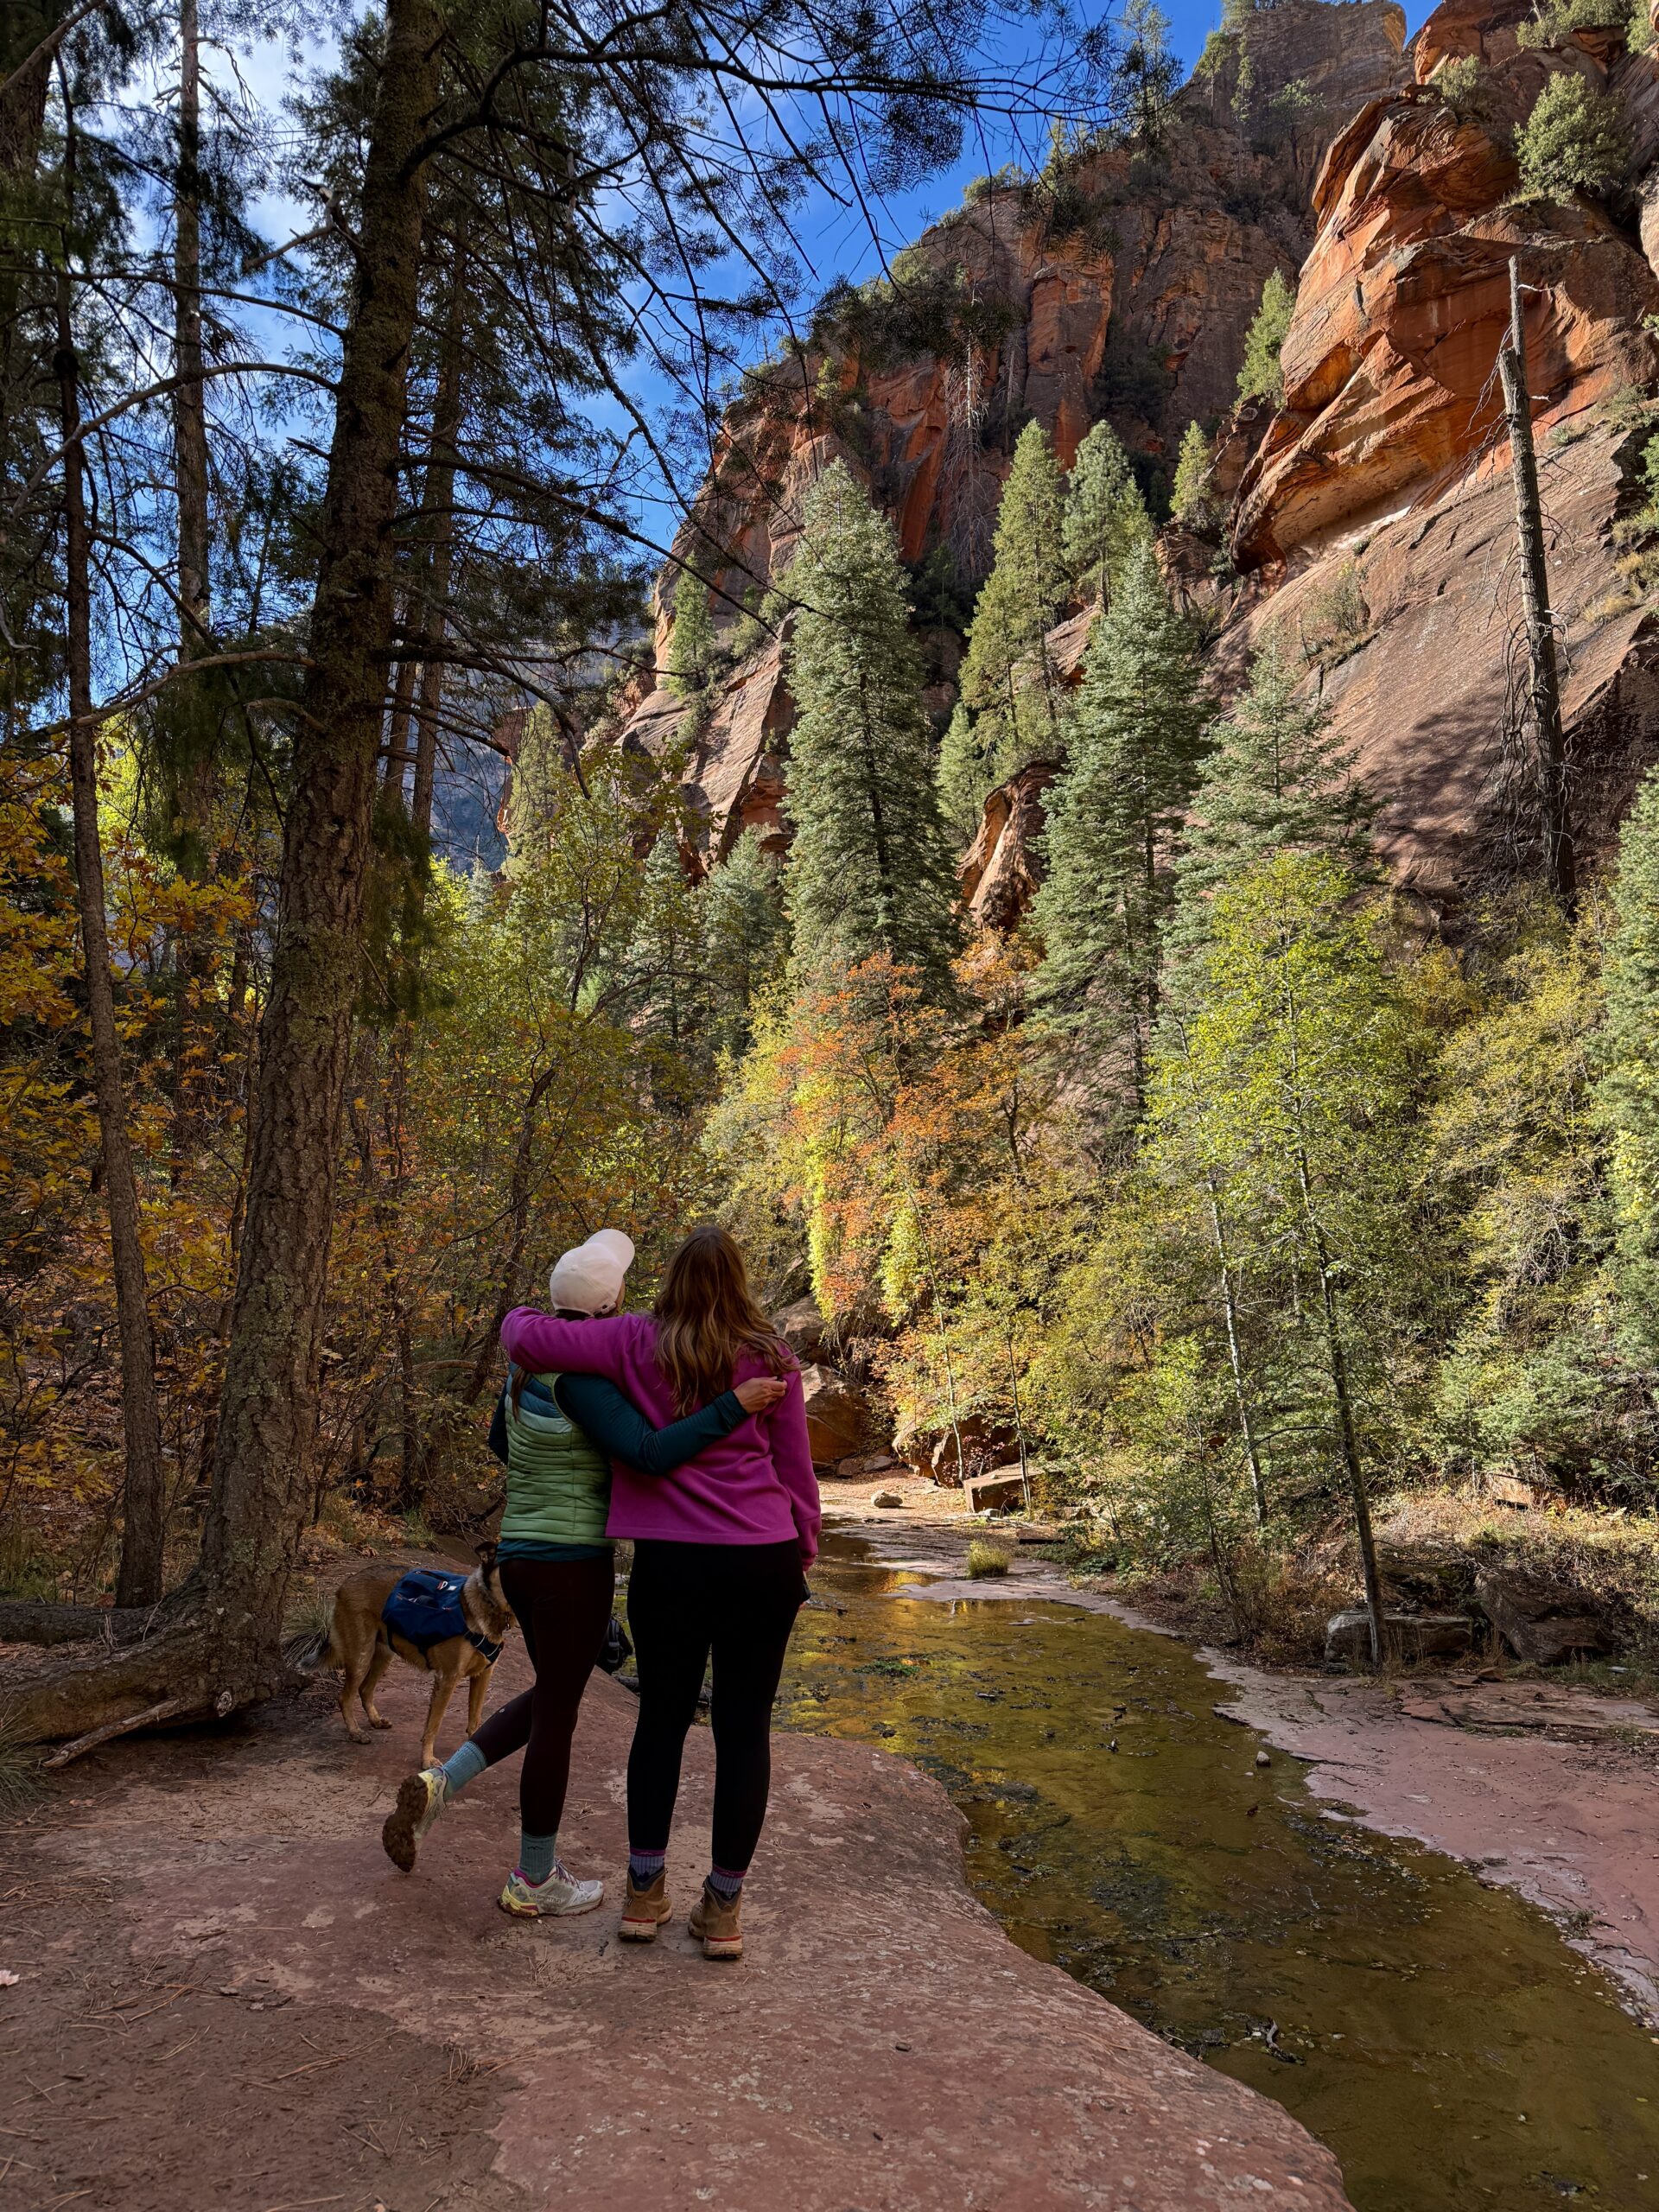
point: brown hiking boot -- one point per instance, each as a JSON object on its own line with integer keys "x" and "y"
{"x": 643, "y": 1911}
{"x": 716, "y": 1923}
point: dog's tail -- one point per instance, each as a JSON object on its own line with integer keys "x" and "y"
{"x": 309, "y": 1632}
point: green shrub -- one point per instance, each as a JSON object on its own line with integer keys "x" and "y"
{"x": 1575, "y": 140}
{"x": 1552, "y": 25}
{"x": 1465, "y": 88}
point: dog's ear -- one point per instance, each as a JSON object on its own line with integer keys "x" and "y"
{"x": 487, "y": 1551}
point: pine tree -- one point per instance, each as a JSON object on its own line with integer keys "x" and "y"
{"x": 1136, "y": 738}
{"x": 1278, "y": 779}
{"x": 670, "y": 978}
{"x": 1262, "y": 377}
{"x": 1191, "y": 502}
{"x": 1627, "y": 1088}
{"x": 965, "y": 774}
{"x": 1009, "y": 681}
{"x": 743, "y": 933}
{"x": 693, "y": 651}
{"x": 868, "y": 871}
{"x": 1287, "y": 1107}
{"x": 1105, "y": 515}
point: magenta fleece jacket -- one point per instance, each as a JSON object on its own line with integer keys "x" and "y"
{"x": 755, "y": 1486}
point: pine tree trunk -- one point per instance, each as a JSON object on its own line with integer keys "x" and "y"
{"x": 144, "y": 1521}
{"x": 222, "y": 1646}
{"x": 269, "y": 1408}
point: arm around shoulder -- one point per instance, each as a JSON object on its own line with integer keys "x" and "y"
{"x": 542, "y": 1342}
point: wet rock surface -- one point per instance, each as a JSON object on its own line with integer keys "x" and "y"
{"x": 286, "y": 2019}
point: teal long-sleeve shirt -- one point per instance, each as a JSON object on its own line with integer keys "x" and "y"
{"x": 609, "y": 1416}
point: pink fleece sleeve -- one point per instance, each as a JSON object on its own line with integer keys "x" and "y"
{"x": 542, "y": 1344}
{"x": 792, "y": 1457}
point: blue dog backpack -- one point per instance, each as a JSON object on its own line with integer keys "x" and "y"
{"x": 425, "y": 1608}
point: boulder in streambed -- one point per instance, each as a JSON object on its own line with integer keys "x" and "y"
{"x": 1405, "y": 1635}
{"x": 1542, "y": 1622}
{"x": 995, "y": 1492}
{"x": 837, "y": 1414}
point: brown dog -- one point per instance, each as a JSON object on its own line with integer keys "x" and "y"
{"x": 362, "y": 1646}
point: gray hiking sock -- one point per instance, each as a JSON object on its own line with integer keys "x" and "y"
{"x": 460, "y": 1768}
{"x": 538, "y": 1855}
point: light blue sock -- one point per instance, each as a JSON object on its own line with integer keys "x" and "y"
{"x": 460, "y": 1768}
{"x": 538, "y": 1855}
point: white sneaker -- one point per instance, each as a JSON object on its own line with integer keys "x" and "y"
{"x": 561, "y": 1893}
{"x": 420, "y": 1798}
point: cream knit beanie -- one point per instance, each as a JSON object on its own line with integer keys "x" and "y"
{"x": 589, "y": 1279}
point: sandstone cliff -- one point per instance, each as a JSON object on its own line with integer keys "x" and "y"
{"x": 1122, "y": 288}
{"x": 1370, "y": 516}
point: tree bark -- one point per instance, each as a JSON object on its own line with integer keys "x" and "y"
{"x": 223, "y": 1645}
{"x": 267, "y": 1409}
{"x": 143, "y": 1524}
{"x": 1543, "y": 685}
{"x": 1236, "y": 1356}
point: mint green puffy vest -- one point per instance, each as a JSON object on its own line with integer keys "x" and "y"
{"x": 559, "y": 1480}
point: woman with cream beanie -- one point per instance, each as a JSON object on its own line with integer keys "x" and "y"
{"x": 558, "y": 1434}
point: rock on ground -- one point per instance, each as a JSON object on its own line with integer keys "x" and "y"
{"x": 229, "y": 1998}
{"x": 837, "y": 1415}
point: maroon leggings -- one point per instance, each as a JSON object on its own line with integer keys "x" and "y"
{"x": 562, "y": 1606}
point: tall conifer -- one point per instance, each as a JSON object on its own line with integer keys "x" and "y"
{"x": 693, "y": 651}
{"x": 744, "y": 933}
{"x": 1278, "y": 778}
{"x": 1105, "y": 515}
{"x": 1136, "y": 738}
{"x": 1008, "y": 682}
{"x": 869, "y": 871}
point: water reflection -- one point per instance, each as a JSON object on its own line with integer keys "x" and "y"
{"x": 1438, "y": 2035}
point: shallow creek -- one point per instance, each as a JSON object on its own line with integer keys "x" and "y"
{"x": 1438, "y": 2035}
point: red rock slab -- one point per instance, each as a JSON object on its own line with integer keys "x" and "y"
{"x": 882, "y": 2047}
{"x": 1570, "y": 1825}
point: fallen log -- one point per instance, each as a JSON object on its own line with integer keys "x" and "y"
{"x": 24, "y": 1620}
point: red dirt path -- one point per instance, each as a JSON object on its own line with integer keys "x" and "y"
{"x": 229, "y": 1999}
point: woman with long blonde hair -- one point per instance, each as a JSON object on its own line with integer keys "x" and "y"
{"x": 720, "y": 1545}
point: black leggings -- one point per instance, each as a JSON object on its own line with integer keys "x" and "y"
{"x": 684, "y": 1601}
{"x": 562, "y": 1606}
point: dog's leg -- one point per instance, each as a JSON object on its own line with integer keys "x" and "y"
{"x": 477, "y": 1690}
{"x": 378, "y": 1667}
{"x": 442, "y": 1688}
{"x": 351, "y": 1680}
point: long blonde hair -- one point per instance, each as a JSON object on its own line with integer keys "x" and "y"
{"x": 707, "y": 1317}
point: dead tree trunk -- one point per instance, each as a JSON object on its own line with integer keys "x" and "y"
{"x": 139, "y": 1577}
{"x": 222, "y": 1645}
{"x": 1543, "y": 678}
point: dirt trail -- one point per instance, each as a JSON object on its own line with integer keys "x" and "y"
{"x": 229, "y": 1999}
